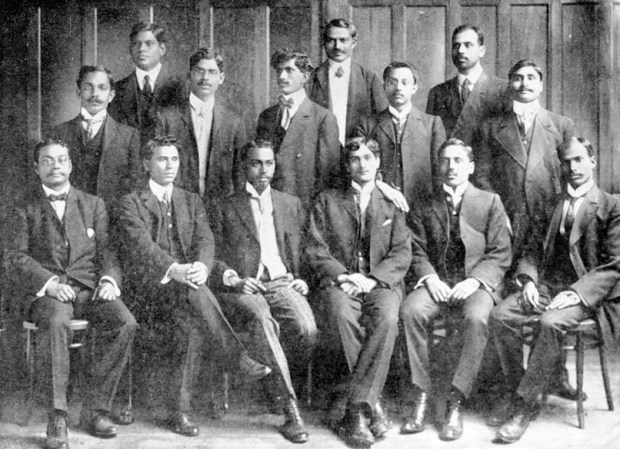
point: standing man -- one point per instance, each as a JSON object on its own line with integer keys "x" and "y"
{"x": 563, "y": 281}
{"x": 209, "y": 135}
{"x": 260, "y": 235}
{"x": 466, "y": 100}
{"x": 360, "y": 250}
{"x": 304, "y": 134}
{"x": 171, "y": 249}
{"x": 59, "y": 253}
{"x": 106, "y": 152}
{"x": 461, "y": 274}
{"x": 347, "y": 89}
{"x": 408, "y": 138}
{"x": 151, "y": 86}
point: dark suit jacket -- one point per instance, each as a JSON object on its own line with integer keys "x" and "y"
{"x": 366, "y": 96}
{"x": 38, "y": 239}
{"x": 120, "y": 167}
{"x": 422, "y": 137}
{"x": 228, "y": 135}
{"x": 527, "y": 184}
{"x": 169, "y": 90}
{"x": 237, "y": 244}
{"x": 489, "y": 97}
{"x": 484, "y": 231}
{"x": 334, "y": 233}
{"x": 139, "y": 223}
{"x": 309, "y": 157}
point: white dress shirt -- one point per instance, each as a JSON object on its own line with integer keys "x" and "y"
{"x": 339, "y": 94}
{"x": 578, "y": 193}
{"x": 364, "y": 192}
{"x": 92, "y": 123}
{"x": 456, "y": 194}
{"x": 400, "y": 116}
{"x": 526, "y": 112}
{"x": 473, "y": 77}
{"x": 202, "y": 118}
{"x": 298, "y": 98}
{"x": 153, "y": 74}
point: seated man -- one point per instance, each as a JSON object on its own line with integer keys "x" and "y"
{"x": 462, "y": 274}
{"x": 360, "y": 249}
{"x": 565, "y": 276}
{"x": 259, "y": 238}
{"x": 167, "y": 237}
{"x": 59, "y": 253}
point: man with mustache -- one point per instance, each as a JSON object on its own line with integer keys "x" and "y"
{"x": 473, "y": 95}
{"x": 209, "y": 135}
{"x": 151, "y": 86}
{"x": 347, "y": 89}
{"x": 106, "y": 152}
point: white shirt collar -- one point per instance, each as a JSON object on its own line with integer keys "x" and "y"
{"x": 298, "y": 97}
{"x": 159, "y": 190}
{"x": 458, "y": 191}
{"x": 346, "y": 65}
{"x": 99, "y": 116}
{"x": 153, "y": 74}
{"x": 401, "y": 115}
{"x": 523, "y": 109}
{"x": 198, "y": 105}
{"x": 581, "y": 190}
{"x": 49, "y": 191}
{"x": 474, "y": 75}
{"x": 252, "y": 191}
{"x": 366, "y": 189}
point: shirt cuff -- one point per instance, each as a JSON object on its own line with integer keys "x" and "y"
{"x": 111, "y": 281}
{"x": 41, "y": 292}
{"x": 228, "y": 276}
{"x": 424, "y": 278}
{"x": 167, "y": 277}
{"x": 484, "y": 285}
{"x": 581, "y": 298}
{"x": 522, "y": 279}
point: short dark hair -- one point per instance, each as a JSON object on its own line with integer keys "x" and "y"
{"x": 154, "y": 27}
{"x": 159, "y": 141}
{"x": 400, "y": 65}
{"x": 457, "y": 143}
{"x": 339, "y": 23}
{"x": 254, "y": 145}
{"x": 302, "y": 61}
{"x": 459, "y": 29}
{"x": 524, "y": 63}
{"x": 206, "y": 53}
{"x": 86, "y": 69}
{"x": 580, "y": 140}
{"x": 49, "y": 141}
{"x": 356, "y": 143}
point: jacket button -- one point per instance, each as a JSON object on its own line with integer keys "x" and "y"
{"x": 298, "y": 155}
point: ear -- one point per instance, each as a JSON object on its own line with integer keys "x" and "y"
{"x": 163, "y": 48}
{"x": 482, "y": 51}
{"x": 145, "y": 164}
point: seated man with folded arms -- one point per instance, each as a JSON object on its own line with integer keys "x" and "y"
{"x": 259, "y": 234}
{"x": 359, "y": 248}
{"x": 171, "y": 247}
{"x": 461, "y": 274}
{"x": 58, "y": 252}
{"x": 568, "y": 272}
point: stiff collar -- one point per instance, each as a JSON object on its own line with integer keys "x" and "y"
{"x": 297, "y": 97}
{"x": 159, "y": 190}
{"x": 524, "y": 109}
{"x": 153, "y": 74}
{"x": 346, "y": 65}
{"x": 581, "y": 190}
{"x": 254, "y": 194}
{"x": 474, "y": 75}
{"x": 400, "y": 115}
{"x": 201, "y": 106}
{"x": 49, "y": 191}
{"x": 98, "y": 117}
{"x": 366, "y": 189}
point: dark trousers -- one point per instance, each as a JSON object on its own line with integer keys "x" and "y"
{"x": 416, "y": 313}
{"x": 366, "y": 328}
{"x": 281, "y": 326}
{"x": 505, "y": 324}
{"x": 115, "y": 329}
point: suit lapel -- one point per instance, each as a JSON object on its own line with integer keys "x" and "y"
{"x": 181, "y": 219}
{"x": 73, "y": 224}
{"x": 584, "y": 216}
{"x": 554, "y": 228}
{"x": 356, "y": 80}
{"x": 349, "y": 204}
{"x": 544, "y": 138}
{"x": 279, "y": 218}
{"x": 508, "y": 136}
{"x": 474, "y": 101}
{"x": 385, "y": 124}
{"x": 322, "y": 79}
{"x": 298, "y": 123}
{"x": 243, "y": 207}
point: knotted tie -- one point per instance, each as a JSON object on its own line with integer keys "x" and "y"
{"x": 570, "y": 214}
{"x": 147, "y": 88}
{"x": 465, "y": 90}
{"x": 90, "y": 125}
{"x": 339, "y": 72}
{"x": 286, "y": 105}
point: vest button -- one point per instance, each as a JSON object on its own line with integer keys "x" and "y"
{"x": 298, "y": 155}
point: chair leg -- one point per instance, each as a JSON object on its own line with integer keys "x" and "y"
{"x": 226, "y": 382}
{"x": 30, "y": 363}
{"x": 579, "y": 347}
{"x": 126, "y": 414}
{"x": 602, "y": 350}
{"x": 309, "y": 382}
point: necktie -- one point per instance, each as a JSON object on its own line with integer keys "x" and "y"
{"x": 451, "y": 205}
{"x": 465, "y": 90}
{"x": 165, "y": 200}
{"x": 90, "y": 125}
{"x": 339, "y": 72}
{"x": 570, "y": 214}
{"x": 61, "y": 197}
{"x": 147, "y": 89}
{"x": 286, "y": 105}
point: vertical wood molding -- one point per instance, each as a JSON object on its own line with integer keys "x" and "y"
{"x": 454, "y": 19}
{"x": 555, "y": 60}
{"x": 205, "y": 23}
{"x": 89, "y": 35}
{"x": 608, "y": 119}
{"x": 33, "y": 83}
{"x": 316, "y": 23}
{"x": 399, "y": 32}
{"x": 503, "y": 38}
{"x": 262, "y": 52}
{"x": 334, "y": 9}
{"x": 145, "y": 13}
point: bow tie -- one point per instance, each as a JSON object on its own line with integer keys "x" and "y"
{"x": 61, "y": 197}
{"x": 286, "y": 103}
{"x": 93, "y": 121}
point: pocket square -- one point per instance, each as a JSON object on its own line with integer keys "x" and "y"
{"x": 386, "y": 222}
{"x": 90, "y": 232}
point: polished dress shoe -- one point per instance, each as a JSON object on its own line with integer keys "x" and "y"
{"x": 563, "y": 389}
{"x": 380, "y": 422}
{"x": 294, "y": 428}
{"x": 414, "y": 423}
{"x": 181, "y": 423}
{"x": 97, "y": 424}
{"x": 57, "y": 437}
{"x": 251, "y": 370}
{"x": 353, "y": 428}
{"x": 452, "y": 428}
{"x": 515, "y": 427}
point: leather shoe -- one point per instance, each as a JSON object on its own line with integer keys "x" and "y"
{"x": 500, "y": 411}
{"x": 181, "y": 423}
{"x": 57, "y": 437}
{"x": 294, "y": 428}
{"x": 452, "y": 428}
{"x": 380, "y": 422}
{"x": 515, "y": 427}
{"x": 97, "y": 424}
{"x": 353, "y": 428}
{"x": 565, "y": 390}
{"x": 414, "y": 423}
{"x": 251, "y": 370}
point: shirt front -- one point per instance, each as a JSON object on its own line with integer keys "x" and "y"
{"x": 91, "y": 124}
{"x": 456, "y": 195}
{"x": 202, "y": 118}
{"x": 579, "y": 194}
{"x": 153, "y": 74}
{"x": 526, "y": 112}
{"x": 400, "y": 117}
{"x": 339, "y": 93}
{"x": 364, "y": 193}
{"x": 473, "y": 76}
{"x": 298, "y": 98}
